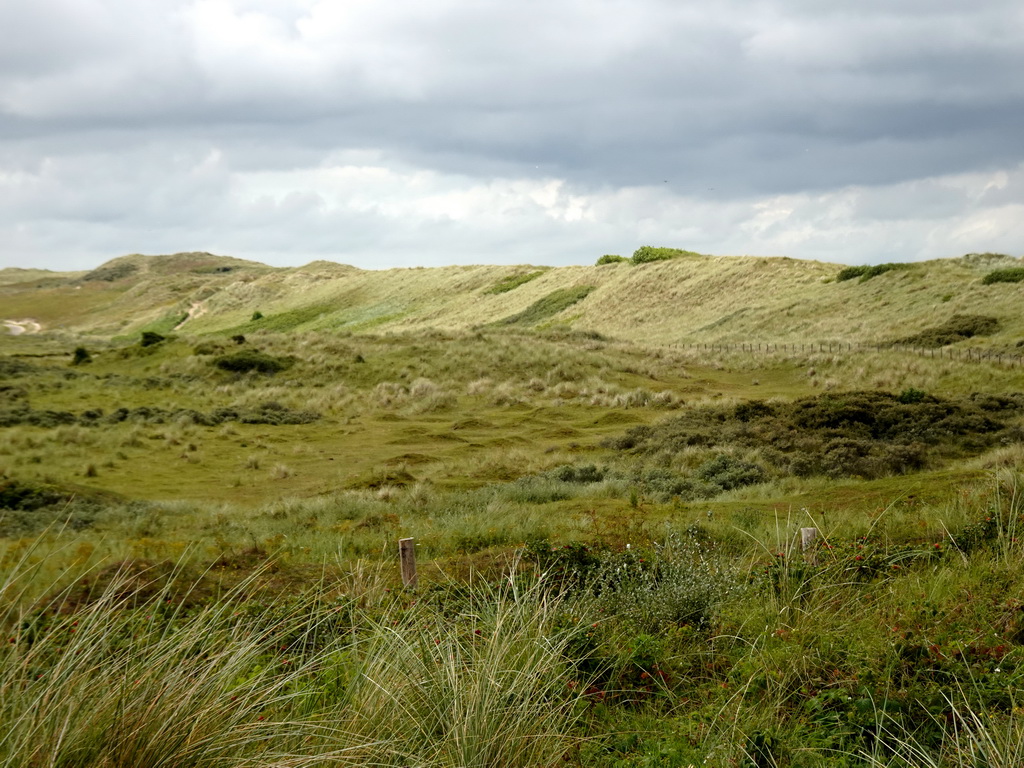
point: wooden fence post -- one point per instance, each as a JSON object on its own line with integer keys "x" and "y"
{"x": 407, "y": 554}
{"x": 808, "y": 536}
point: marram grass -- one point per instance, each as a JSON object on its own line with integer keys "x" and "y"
{"x": 135, "y": 674}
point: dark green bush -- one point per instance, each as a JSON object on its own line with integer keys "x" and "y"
{"x": 266, "y": 413}
{"x": 1011, "y": 275}
{"x": 849, "y": 273}
{"x": 866, "y": 272}
{"x": 253, "y": 360}
{"x": 81, "y": 356}
{"x": 149, "y": 338}
{"x": 29, "y": 508}
{"x": 10, "y": 367}
{"x": 206, "y": 348}
{"x": 17, "y": 495}
{"x": 511, "y": 282}
{"x": 728, "y": 472}
{"x": 570, "y": 473}
{"x": 911, "y": 395}
{"x": 645, "y": 254}
{"x": 550, "y": 305}
{"x": 957, "y": 328}
{"x": 110, "y": 273}
{"x": 865, "y": 434}
{"x": 257, "y": 315}
{"x": 610, "y": 258}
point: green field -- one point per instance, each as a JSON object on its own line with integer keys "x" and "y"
{"x": 605, "y": 470}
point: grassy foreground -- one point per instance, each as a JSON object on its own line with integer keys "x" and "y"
{"x": 198, "y": 542}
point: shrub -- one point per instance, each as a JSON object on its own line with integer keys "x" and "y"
{"x": 257, "y": 315}
{"x": 610, "y": 258}
{"x": 866, "y": 272}
{"x": 205, "y": 348}
{"x": 569, "y": 473}
{"x": 677, "y": 583}
{"x": 728, "y": 472}
{"x": 646, "y": 254}
{"x": 911, "y": 395}
{"x": 110, "y": 273}
{"x": 81, "y": 356}
{"x": 511, "y": 282}
{"x": 957, "y": 328}
{"x": 867, "y": 434}
{"x": 149, "y": 338}
{"x": 550, "y": 305}
{"x": 1011, "y": 275}
{"x": 253, "y": 360}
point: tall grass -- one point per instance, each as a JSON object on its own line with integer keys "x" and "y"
{"x": 135, "y": 667}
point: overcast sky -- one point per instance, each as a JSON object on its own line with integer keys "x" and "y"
{"x": 389, "y": 133}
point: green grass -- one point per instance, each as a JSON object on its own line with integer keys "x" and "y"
{"x": 606, "y": 533}
{"x": 511, "y": 282}
{"x": 866, "y": 272}
{"x": 1010, "y": 275}
{"x": 647, "y": 254}
{"x": 549, "y": 306}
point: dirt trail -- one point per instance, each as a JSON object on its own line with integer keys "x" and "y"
{"x": 18, "y": 327}
{"x": 198, "y": 309}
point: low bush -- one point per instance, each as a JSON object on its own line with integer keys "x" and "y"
{"x": 610, "y": 258}
{"x": 550, "y": 305}
{"x": 266, "y": 413}
{"x": 207, "y": 348}
{"x": 81, "y": 356}
{"x": 677, "y": 582}
{"x": 253, "y": 360}
{"x": 11, "y": 367}
{"x": 866, "y": 272}
{"x": 646, "y": 254}
{"x": 867, "y": 434}
{"x": 1011, "y": 275}
{"x": 512, "y": 282}
{"x": 957, "y": 328}
{"x": 728, "y": 472}
{"x": 149, "y": 338}
{"x": 109, "y": 273}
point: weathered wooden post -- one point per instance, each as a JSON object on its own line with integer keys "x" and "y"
{"x": 808, "y": 537}
{"x": 407, "y": 554}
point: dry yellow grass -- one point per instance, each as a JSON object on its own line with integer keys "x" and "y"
{"x": 708, "y": 299}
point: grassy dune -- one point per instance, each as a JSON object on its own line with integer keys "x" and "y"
{"x": 198, "y": 535}
{"x": 696, "y": 299}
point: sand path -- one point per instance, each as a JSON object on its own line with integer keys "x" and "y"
{"x": 18, "y": 327}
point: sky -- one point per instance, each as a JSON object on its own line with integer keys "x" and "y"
{"x": 400, "y": 133}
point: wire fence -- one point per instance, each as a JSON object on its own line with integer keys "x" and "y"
{"x": 964, "y": 354}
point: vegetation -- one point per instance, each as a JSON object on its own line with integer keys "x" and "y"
{"x": 610, "y": 258}
{"x": 80, "y": 356}
{"x": 866, "y": 272}
{"x": 112, "y": 272}
{"x": 1009, "y": 275}
{"x": 149, "y": 338}
{"x": 646, "y": 254}
{"x": 549, "y": 306}
{"x": 957, "y": 328}
{"x": 511, "y": 282}
{"x": 252, "y": 360}
{"x": 198, "y": 563}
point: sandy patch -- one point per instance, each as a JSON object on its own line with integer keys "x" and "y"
{"x": 18, "y": 327}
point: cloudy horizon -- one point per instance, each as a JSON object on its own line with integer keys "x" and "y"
{"x": 398, "y": 133}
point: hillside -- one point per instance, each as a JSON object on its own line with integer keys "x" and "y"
{"x": 701, "y": 299}
{"x": 799, "y": 558}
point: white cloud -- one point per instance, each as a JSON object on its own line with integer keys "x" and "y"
{"x": 425, "y": 131}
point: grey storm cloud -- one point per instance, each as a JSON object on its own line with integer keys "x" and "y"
{"x": 499, "y": 131}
